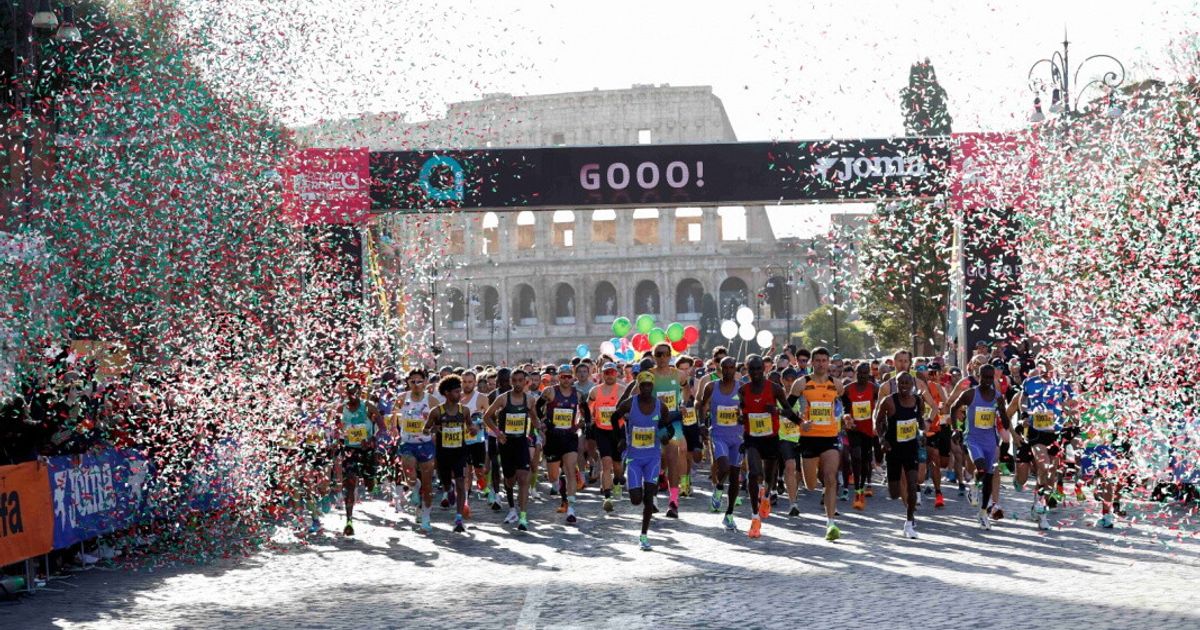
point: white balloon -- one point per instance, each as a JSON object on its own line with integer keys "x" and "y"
{"x": 765, "y": 338}
{"x": 745, "y": 315}
{"x": 729, "y": 329}
{"x": 746, "y": 332}
{"x": 607, "y": 347}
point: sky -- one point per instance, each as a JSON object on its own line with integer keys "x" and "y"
{"x": 784, "y": 70}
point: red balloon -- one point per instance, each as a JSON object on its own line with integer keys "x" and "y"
{"x": 641, "y": 342}
{"x": 680, "y": 345}
{"x": 691, "y": 334}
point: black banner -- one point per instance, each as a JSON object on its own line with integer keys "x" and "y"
{"x": 659, "y": 175}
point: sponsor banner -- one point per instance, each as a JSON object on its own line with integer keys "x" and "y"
{"x": 659, "y": 175}
{"x": 26, "y": 525}
{"x": 96, "y": 493}
{"x": 327, "y": 186}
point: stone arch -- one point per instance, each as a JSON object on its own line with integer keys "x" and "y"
{"x": 688, "y": 296}
{"x": 564, "y": 304}
{"x": 456, "y": 307}
{"x": 776, "y": 296}
{"x": 734, "y": 292}
{"x": 524, "y": 306}
{"x": 605, "y": 303}
{"x": 489, "y": 305}
{"x": 646, "y": 298}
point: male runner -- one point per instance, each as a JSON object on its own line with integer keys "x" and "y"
{"x": 647, "y": 429}
{"x": 858, "y": 401}
{"x": 564, "y": 413}
{"x": 983, "y": 404}
{"x": 819, "y": 433}
{"x": 900, "y": 418}
{"x": 502, "y": 382}
{"x": 518, "y": 420}
{"x": 761, "y": 404}
{"x": 603, "y": 401}
{"x": 451, "y": 421}
{"x": 721, "y": 403}
{"x": 416, "y": 446}
{"x": 1044, "y": 399}
{"x": 358, "y": 425}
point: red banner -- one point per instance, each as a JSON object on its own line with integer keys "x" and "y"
{"x": 327, "y": 186}
{"x": 26, "y": 517}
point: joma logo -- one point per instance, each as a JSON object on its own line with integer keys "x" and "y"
{"x": 894, "y": 166}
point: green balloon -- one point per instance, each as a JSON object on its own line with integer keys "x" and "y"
{"x": 657, "y": 336}
{"x": 621, "y": 326}
{"x": 645, "y": 323}
{"x": 675, "y": 331}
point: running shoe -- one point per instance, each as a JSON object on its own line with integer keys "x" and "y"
{"x": 738, "y": 503}
{"x": 714, "y": 502}
{"x": 832, "y": 533}
{"x": 729, "y": 523}
{"x": 939, "y": 501}
{"x": 562, "y": 507}
{"x": 774, "y": 499}
{"x": 467, "y": 510}
{"x": 608, "y": 505}
{"x": 349, "y": 529}
{"x": 644, "y": 542}
{"x": 928, "y": 490}
{"x": 971, "y": 498}
{"x": 755, "y": 528}
{"x": 672, "y": 510}
{"x": 481, "y": 483}
{"x": 996, "y": 513}
{"x": 962, "y": 489}
{"x": 1079, "y": 495}
{"x": 553, "y": 490}
{"x": 496, "y": 507}
{"x": 795, "y": 511}
{"x": 870, "y": 492}
{"x": 571, "y": 519}
{"x": 315, "y": 526}
{"x": 984, "y": 521}
{"x": 580, "y": 484}
{"x": 1106, "y": 521}
{"x": 445, "y": 503}
{"x": 764, "y": 508}
{"x": 1017, "y": 485}
{"x": 512, "y": 516}
{"x": 426, "y": 526}
{"x": 617, "y": 488}
{"x": 909, "y": 530}
{"x": 860, "y": 501}
{"x": 523, "y": 526}
{"x": 458, "y": 526}
{"x": 414, "y": 497}
{"x": 844, "y": 495}
{"x": 653, "y": 507}
{"x": 1043, "y": 522}
{"x": 918, "y": 499}
{"x": 951, "y": 476}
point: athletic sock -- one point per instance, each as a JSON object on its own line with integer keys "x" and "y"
{"x": 675, "y": 495}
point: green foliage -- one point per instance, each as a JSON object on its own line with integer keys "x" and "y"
{"x": 853, "y": 338}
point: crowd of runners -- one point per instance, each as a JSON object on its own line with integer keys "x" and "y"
{"x": 752, "y": 433}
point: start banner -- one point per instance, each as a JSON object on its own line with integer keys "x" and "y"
{"x": 26, "y": 526}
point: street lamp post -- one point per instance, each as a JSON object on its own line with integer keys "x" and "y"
{"x": 786, "y": 272}
{"x": 1059, "y": 66}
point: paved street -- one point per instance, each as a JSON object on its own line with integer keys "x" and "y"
{"x": 697, "y": 575}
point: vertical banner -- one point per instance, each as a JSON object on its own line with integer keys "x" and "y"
{"x": 323, "y": 186}
{"x": 96, "y": 493}
{"x": 26, "y": 525}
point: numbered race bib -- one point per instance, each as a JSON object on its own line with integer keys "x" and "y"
{"x": 727, "y": 416}
{"x": 985, "y": 418}
{"x": 356, "y": 434}
{"x": 820, "y": 412}
{"x": 1043, "y": 420}
{"x": 563, "y": 418}
{"x": 452, "y": 437}
{"x": 760, "y": 424}
{"x": 643, "y": 437}
{"x": 668, "y": 400}
{"x": 689, "y": 416}
{"x": 413, "y": 426}
{"x": 788, "y": 430}
{"x": 514, "y": 424}
{"x": 906, "y": 430}
{"x": 860, "y": 410}
{"x": 606, "y": 414}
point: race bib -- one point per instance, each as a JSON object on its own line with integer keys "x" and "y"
{"x": 1043, "y": 420}
{"x": 356, "y": 434}
{"x": 760, "y": 424}
{"x": 820, "y": 412}
{"x": 452, "y": 437}
{"x": 689, "y": 416}
{"x": 643, "y": 437}
{"x": 906, "y": 430}
{"x": 727, "y": 416}
{"x": 860, "y": 410}
{"x": 668, "y": 400}
{"x": 563, "y": 418}
{"x": 985, "y": 418}
{"x": 788, "y": 430}
{"x": 606, "y": 414}
{"x": 514, "y": 424}
{"x": 413, "y": 426}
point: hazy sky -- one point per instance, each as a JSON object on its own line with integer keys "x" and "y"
{"x": 784, "y": 70}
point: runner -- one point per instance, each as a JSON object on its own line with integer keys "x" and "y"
{"x": 1044, "y": 401}
{"x": 900, "y": 419}
{"x": 357, "y": 427}
{"x": 520, "y": 420}
{"x": 983, "y": 404}
{"x": 476, "y": 440}
{"x": 502, "y": 383}
{"x": 817, "y": 394}
{"x": 603, "y": 401}
{"x": 691, "y": 447}
{"x": 720, "y": 403}
{"x": 789, "y": 442}
{"x": 761, "y": 404}
{"x": 859, "y": 400}
{"x": 647, "y": 429}
{"x": 451, "y": 421}
{"x": 416, "y": 446}
{"x": 564, "y": 413}
{"x": 937, "y": 435}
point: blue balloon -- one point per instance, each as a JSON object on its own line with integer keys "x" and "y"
{"x": 616, "y": 342}
{"x": 582, "y": 350}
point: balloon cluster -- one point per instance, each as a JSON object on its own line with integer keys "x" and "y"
{"x": 742, "y": 327}
{"x": 626, "y": 343}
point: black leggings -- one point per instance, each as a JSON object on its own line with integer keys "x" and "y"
{"x": 861, "y": 446}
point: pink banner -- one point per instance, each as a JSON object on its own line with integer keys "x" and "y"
{"x": 992, "y": 170}
{"x": 328, "y": 186}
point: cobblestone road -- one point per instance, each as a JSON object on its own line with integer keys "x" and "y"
{"x": 593, "y": 576}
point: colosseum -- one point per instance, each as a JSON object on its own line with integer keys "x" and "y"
{"x": 517, "y": 285}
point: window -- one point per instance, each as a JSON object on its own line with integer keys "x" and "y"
{"x": 558, "y": 139}
{"x": 564, "y": 228}
{"x": 688, "y": 225}
{"x": 456, "y": 235}
{"x": 643, "y": 136}
{"x": 733, "y": 223}
{"x": 526, "y": 238}
{"x": 645, "y": 226}
{"x": 604, "y": 227}
{"x": 490, "y": 243}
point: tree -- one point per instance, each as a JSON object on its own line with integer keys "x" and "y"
{"x": 853, "y": 338}
{"x": 903, "y": 284}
